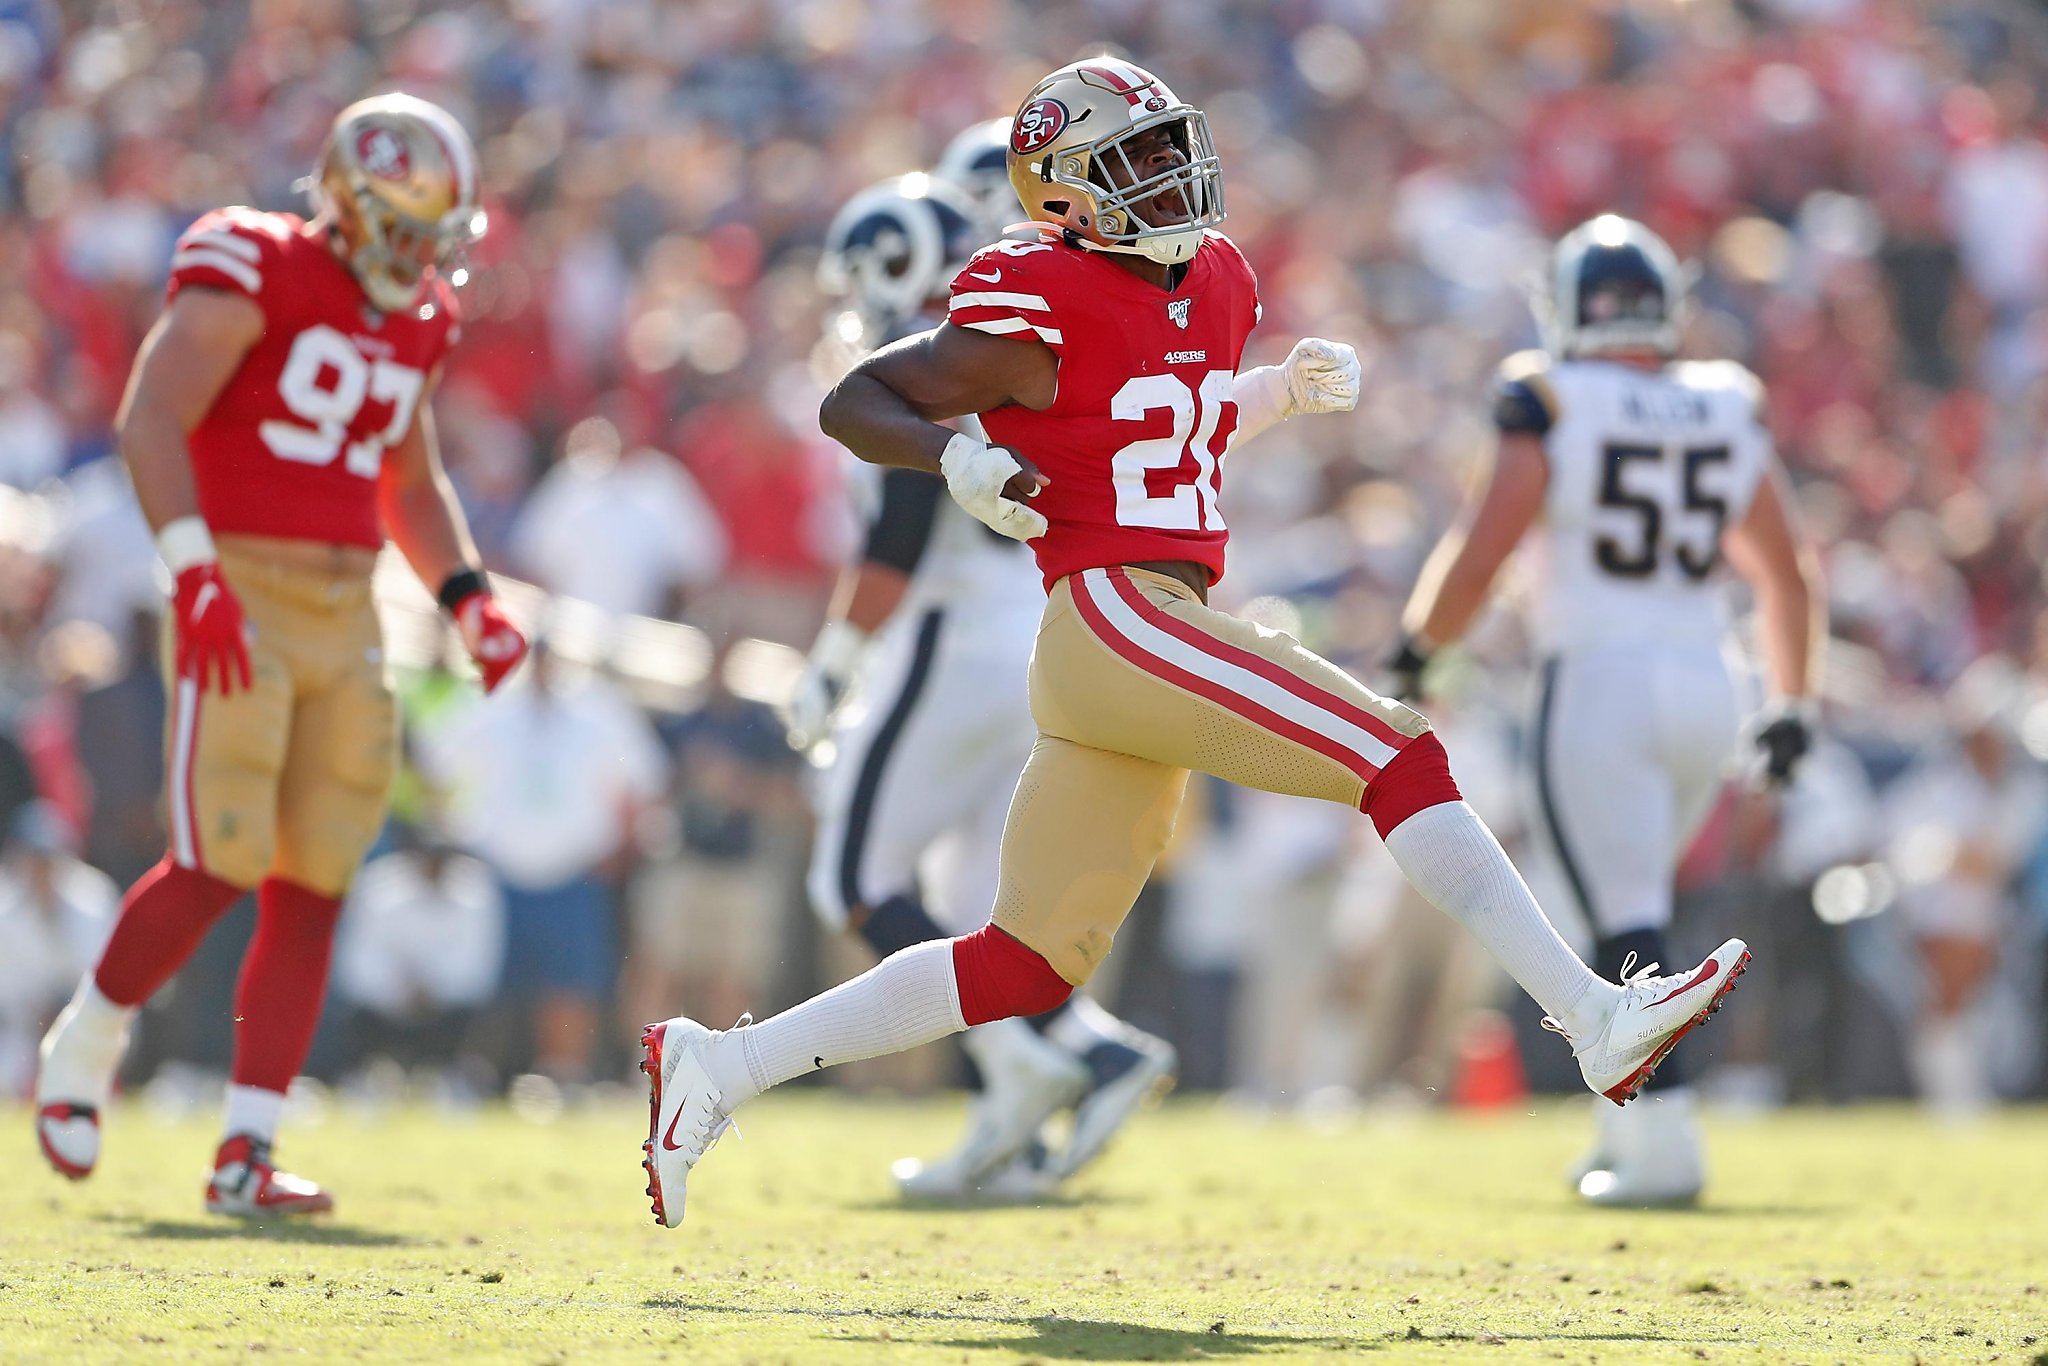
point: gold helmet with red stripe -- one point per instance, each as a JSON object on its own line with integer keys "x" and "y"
{"x": 1071, "y": 161}
{"x": 399, "y": 176}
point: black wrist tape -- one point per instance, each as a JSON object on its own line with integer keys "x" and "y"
{"x": 460, "y": 585}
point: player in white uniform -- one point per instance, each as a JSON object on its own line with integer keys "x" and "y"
{"x": 914, "y": 701}
{"x": 1639, "y": 473}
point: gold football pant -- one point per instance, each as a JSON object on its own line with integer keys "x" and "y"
{"x": 1134, "y": 682}
{"x": 288, "y": 778}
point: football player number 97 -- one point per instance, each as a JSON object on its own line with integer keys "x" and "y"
{"x": 1196, "y": 413}
{"x": 325, "y": 382}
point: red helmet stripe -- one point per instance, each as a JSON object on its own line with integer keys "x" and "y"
{"x": 1125, "y": 83}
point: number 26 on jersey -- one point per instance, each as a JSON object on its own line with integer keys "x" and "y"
{"x": 1197, "y": 415}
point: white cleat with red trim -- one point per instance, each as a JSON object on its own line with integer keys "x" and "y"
{"x": 69, "y": 1136}
{"x": 74, "y": 1077}
{"x": 247, "y": 1185}
{"x": 1649, "y": 1018}
{"x": 686, "y": 1113}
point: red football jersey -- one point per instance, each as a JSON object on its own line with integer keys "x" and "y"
{"x": 1134, "y": 442}
{"x": 295, "y": 441}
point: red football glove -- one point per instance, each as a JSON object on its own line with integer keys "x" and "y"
{"x": 490, "y": 637}
{"x": 212, "y": 631}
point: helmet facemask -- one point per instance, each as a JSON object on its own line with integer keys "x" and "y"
{"x": 1112, "y": 215}
{"x": 398, "y": 178}
{"x": 391, "y": 253}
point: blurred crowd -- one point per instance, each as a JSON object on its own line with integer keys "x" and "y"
{"x": 1863, "y": 183}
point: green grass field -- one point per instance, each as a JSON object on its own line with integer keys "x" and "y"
{"x": 1206, "y": 1235}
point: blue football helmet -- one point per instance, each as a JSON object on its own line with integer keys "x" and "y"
{"x": 1614, "y": 286}
{"x": 894, "y": 248}
{"x": 977, "y": 163}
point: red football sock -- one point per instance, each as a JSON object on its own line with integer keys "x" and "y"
{"x": 163, "y": 918}
{"x": 1416, "y": 779}
{"x": 284, "y": 981}
{"x": 998, "y": 976}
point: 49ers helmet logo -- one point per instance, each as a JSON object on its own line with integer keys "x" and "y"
{"x": 382, "y": 153}
{"x": 1038, "y": 123}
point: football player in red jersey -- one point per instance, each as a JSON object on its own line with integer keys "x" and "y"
{"x": 1102, "y": 353}
{"x": 276, "y": 430}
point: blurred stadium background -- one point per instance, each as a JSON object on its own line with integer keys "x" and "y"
{"x": 1864, "y": 184}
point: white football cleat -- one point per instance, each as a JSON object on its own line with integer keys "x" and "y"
{"x": 686, "y": 1114}
{"x": 1655, "y": 1156}
{"x": 69, "y": 1136}
{"x": 1123, "y": 1075}
{"x": 74, "y": 1077}
{"x": 1024, "y": 1083}
{"x": 1024, "y": 1177}
{"x": 1649, "y": 1018}
{"x": 247, "y": 1185}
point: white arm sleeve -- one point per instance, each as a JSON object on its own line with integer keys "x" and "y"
{"x": 1261, "y": 399}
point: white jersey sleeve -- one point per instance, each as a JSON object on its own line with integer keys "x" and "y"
{"x": 1648, "y": 469}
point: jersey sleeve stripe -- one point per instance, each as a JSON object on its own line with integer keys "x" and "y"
{"x": 255, "y": 220}
{"x": 241, "y": 272}
{"x": 996, "y": 298}
{"x": 224, "y": 241}
{"x": 1002, "y": 327}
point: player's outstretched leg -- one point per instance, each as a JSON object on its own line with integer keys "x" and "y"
{"x": 697, "y": 1076}
{"x": 277, "y": 1007}
{"x": 1619, "y": 1032}
{"x": 163, "y": 918}
{"x": 1142, "y": 666}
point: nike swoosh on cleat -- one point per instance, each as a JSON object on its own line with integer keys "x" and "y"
{"x": 990, "y": 278}
{"x": 819, "y": 1059}
{"x": 668, "y": 1140}
{"x": 1707, "y": 969}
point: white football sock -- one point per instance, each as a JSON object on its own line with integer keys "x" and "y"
{"x": 1454, "y": 861}
{"x": 83, "y": 1049}
{"x": 907, "y": 999}
{"x": 253, "y": 1111}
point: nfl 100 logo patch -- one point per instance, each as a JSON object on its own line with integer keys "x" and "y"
{"x": 1177, "y": 309}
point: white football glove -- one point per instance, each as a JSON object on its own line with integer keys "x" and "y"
{"x": 1322, "y": 377}
{"x": 822, "y": 686}
{"x": 975, "y": 474}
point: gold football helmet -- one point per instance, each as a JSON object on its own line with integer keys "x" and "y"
{"x": 399, "y": 176}
{"x": 1070, "y": 161}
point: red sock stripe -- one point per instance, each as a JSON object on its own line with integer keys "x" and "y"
{"x": 998, "y": 976}
{"x": 1418, "y": 778}
{"x": 1254, "y": 663}
{"x": 1210, "y": 689}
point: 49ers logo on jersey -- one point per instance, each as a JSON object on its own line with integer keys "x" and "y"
{"x": 382, "y": 153}
{"x": 1038, "y": 123}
